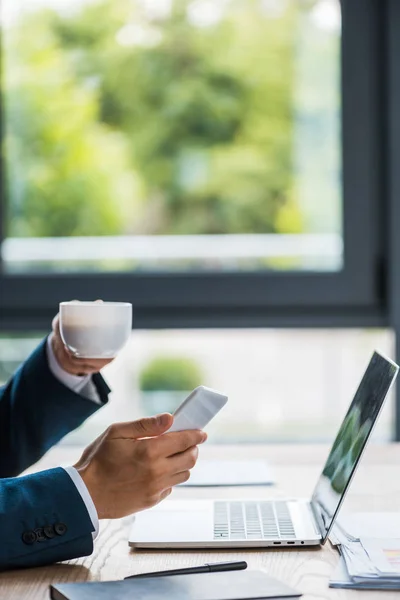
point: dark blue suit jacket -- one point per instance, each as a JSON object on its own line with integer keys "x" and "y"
{"x": 42, "y": 516}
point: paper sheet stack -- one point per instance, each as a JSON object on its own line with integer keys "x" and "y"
{"x": 368, "y": 562}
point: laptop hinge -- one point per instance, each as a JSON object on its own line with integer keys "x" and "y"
{"x": 318, "y": 520}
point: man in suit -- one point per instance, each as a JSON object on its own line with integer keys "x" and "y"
{"x": 53, "y": 515}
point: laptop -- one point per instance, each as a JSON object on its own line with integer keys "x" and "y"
{"x": 261, "y": 523}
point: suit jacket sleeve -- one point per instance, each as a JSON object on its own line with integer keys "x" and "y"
{"x": 42, "y": 520}
{"x": 36, "y": 411}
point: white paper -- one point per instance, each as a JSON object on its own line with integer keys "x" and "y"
{"x": 373, "y": 525}
{"x": 373, "y": 563}
{"x": 384, "y": 554}
{"x": 341, "y": 579}
{"x": 369, "y": 563}
{"x": 357, "y": 560}
{"x": 230, "y": 473}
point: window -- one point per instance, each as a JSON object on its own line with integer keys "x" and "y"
{"x": 172, "y": 135}
{"x": 282, "y": 385}
{"x": 241, "y": 193}
{"x": 215, "y": 176}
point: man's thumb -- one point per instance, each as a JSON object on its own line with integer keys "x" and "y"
{"x": 148, "y": 426}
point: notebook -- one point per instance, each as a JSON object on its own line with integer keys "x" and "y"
{"x": 231, "y": 585}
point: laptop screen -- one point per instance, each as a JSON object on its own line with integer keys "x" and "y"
{"x": 351, "y": 441}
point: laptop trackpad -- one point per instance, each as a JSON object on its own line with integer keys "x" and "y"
{"x": 173, "y": 525}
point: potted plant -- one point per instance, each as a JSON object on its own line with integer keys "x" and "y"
{"x": 166, "y": 381}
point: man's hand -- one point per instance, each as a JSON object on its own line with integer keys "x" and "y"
{"x": 69, "y": 362}
{"x": 131, "y": 466}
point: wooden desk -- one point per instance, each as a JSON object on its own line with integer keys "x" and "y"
{"x": 375, "y": 488}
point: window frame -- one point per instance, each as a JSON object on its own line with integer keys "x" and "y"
{"x": 366, "y": 293}
{"x": 354, "y": 296}
{"x": 351, "y": 297}
{"x": 391, "y": 99}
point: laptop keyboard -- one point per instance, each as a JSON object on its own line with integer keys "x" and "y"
{"x": 252, "y": 520}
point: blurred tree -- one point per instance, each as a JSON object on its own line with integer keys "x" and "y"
{"x": 166, "y": 373}
{"x": 67, "y": 172}
{"x": 121, "y": 120}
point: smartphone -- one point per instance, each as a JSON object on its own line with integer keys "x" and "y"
{"x": 198, "y": 409}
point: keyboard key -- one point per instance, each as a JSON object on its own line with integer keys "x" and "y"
{"x": 252, "y": 520}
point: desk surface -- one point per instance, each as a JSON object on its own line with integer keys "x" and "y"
{"x": 376, "y": 487}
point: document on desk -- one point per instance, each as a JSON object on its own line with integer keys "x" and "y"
{"x": 371, "y": 564}
{"x": 342, "y": 580}
{"x": 373, "y": 525}
{"x": 230, "y": 473}
{"x": 384, "y": 555}
{"x": 369, "y": 544}
{"x": 237, "y": 585}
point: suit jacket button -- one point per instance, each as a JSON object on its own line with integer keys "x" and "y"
{"x": 40, "y": 535}
{"x": 29, "y": 537}
{"x": 49, "y": 532}
{"x": 60, "y": 528}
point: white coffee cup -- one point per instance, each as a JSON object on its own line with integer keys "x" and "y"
{"x": 95, "y": 329}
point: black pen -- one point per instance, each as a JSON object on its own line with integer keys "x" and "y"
{"x": 208, "y": 568}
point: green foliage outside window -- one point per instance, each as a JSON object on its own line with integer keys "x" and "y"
{"x": 188, "y": 129}
{"x": 170, "y": 374}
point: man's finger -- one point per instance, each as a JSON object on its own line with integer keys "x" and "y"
{"x": 82, "y": 369}
{"x": 165, "y": 494}
{"x": 179, "y": 441}
{"x": 180, "y": 478}
{"x": 98, "y": 364}
{"x": 55, "y": 324}
{"x": 143, "y": 428}
{"x": 94, "y": 365}
{"x": 183, "y": 461}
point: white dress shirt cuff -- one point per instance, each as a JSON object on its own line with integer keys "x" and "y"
{"x": 80, "y": 384}
{"x": 82, "y": 489}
